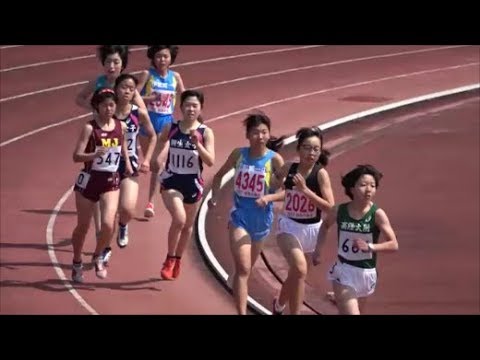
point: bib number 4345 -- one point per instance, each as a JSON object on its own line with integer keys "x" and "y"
{"x": 250, "y": 184}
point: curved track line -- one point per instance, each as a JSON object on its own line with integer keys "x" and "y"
{"x": 9, "y": 46}
{"x": 173, "y": 66}
{"x": 205, "y": 248}
{"x": 212, "y": 262}
{"x": 367, "y": 82}
{"x": 53, "y": 257}
{"x": 339, "y": 62}
{"x": 30, "y": 133}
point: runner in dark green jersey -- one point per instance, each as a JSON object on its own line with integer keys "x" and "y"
{"x": 360, "y": 223}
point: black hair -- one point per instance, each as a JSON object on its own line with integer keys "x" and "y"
{"x": 153, "y": 49}
{"x": 100, "y": 95}
{"x": 104, "y": 50}
{"x": 351, "y": 178}
{"x": 256, "y": 119}
{"x": 305, "y": 133}
{"x": 193, "y": 93}
{"x": 123, "y": 77}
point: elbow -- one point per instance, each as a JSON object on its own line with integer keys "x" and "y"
{"x": 394, "y": 246}
{"x": 75, "y": 158}
{"x": 209, "y": 162}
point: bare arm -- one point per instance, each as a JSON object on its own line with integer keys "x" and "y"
{"x": 330, "y": 219}
{"x": 207, "y": 152}
{"x": 275, "y": 184}
{"x": 138, "y": 100}
{"x": 279, "y": 172}
{"x": 227, "y": 166}
{"x": 324, "y": 204}
{"x": 79, "y": 154}
{"x": 162, "y": 140}
{"x": 142, "y": 81}
{"x": 144, "y": 120}
{"x": 83, "y": 97}
{"x": 180, "y": 85}
{"x": 390, "y": 242}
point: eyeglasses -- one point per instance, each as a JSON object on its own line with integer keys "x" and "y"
{"x": 315, "y": 149}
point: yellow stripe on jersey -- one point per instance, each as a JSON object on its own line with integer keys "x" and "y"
{"x": 268, "y": 174}
{"x": 175, "y": 87}
{"x": 149, "y": 85}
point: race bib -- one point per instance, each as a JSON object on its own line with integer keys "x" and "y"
{"x": 298, "y": 205}
{"x": 346, "y": 248}
{"x": 163, "y": 103}
{"x": 250, "y": 182}
{"x": 131, "y": 139}
{"x": 183, "y": 161}
{"x": 109, "y": 161}
{"x": 82, "y": 180}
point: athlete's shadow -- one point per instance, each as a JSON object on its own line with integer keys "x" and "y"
{"x": 57, "y": 285}
{"x": 42, "y": 246}
{"x": 49, "y": 212}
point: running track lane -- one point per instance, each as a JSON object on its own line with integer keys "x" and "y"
{"x": 430, "y": 141}
{"x": 318, "y": 77}
{"x": 24, "y": 274}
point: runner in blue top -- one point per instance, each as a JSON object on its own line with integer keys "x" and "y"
{"x": 250, "y": 218}
{"x": 159, "y": 86}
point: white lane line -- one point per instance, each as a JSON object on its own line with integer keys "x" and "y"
{"x": 30, "y": 133}
{"x": 202, "y": 215}
{"x": 255, "y": 76}
{"x": 195, "y": 62}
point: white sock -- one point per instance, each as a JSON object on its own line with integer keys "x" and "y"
{"x": 279, "y": 307}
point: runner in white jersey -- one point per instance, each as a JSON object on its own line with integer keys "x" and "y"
{"x": 190, "y": 146}
{"x": 99, "y": 147}
{"x": 360, "y": 226}
{"x": 133, "y": 117}
{"x": 114, "y": 60}
{"x": 307, "y": 194}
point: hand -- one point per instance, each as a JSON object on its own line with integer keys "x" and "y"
{"x": 101, "y": 150}
{"x": 144, "y": 167}
{"x": 261, "y": 202}
{"x": 128, "y": 170}
{"x": 361, "y": 244}
{"x": 299, "y": 182}
{"x": 194, "y": 137}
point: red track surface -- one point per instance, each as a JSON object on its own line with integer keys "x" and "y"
{"x": 36, "y": 171}
{"x": 439, "y": 257}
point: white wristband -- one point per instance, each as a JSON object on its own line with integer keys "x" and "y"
{"x": 370, "y": 247}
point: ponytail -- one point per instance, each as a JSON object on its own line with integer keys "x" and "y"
{"x": 275, "y": 143}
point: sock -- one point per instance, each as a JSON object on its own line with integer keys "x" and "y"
{"x": 279, "y": 307}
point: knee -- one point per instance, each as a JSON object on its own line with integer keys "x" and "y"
{"x": 82, "y": 228}
{"x": 127, "y": 212}
{"x": 178, "y": 223}
{"x": 107, "y": 227}
{"x": 243, "y": 270}
{"x": 298, "y": 270}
